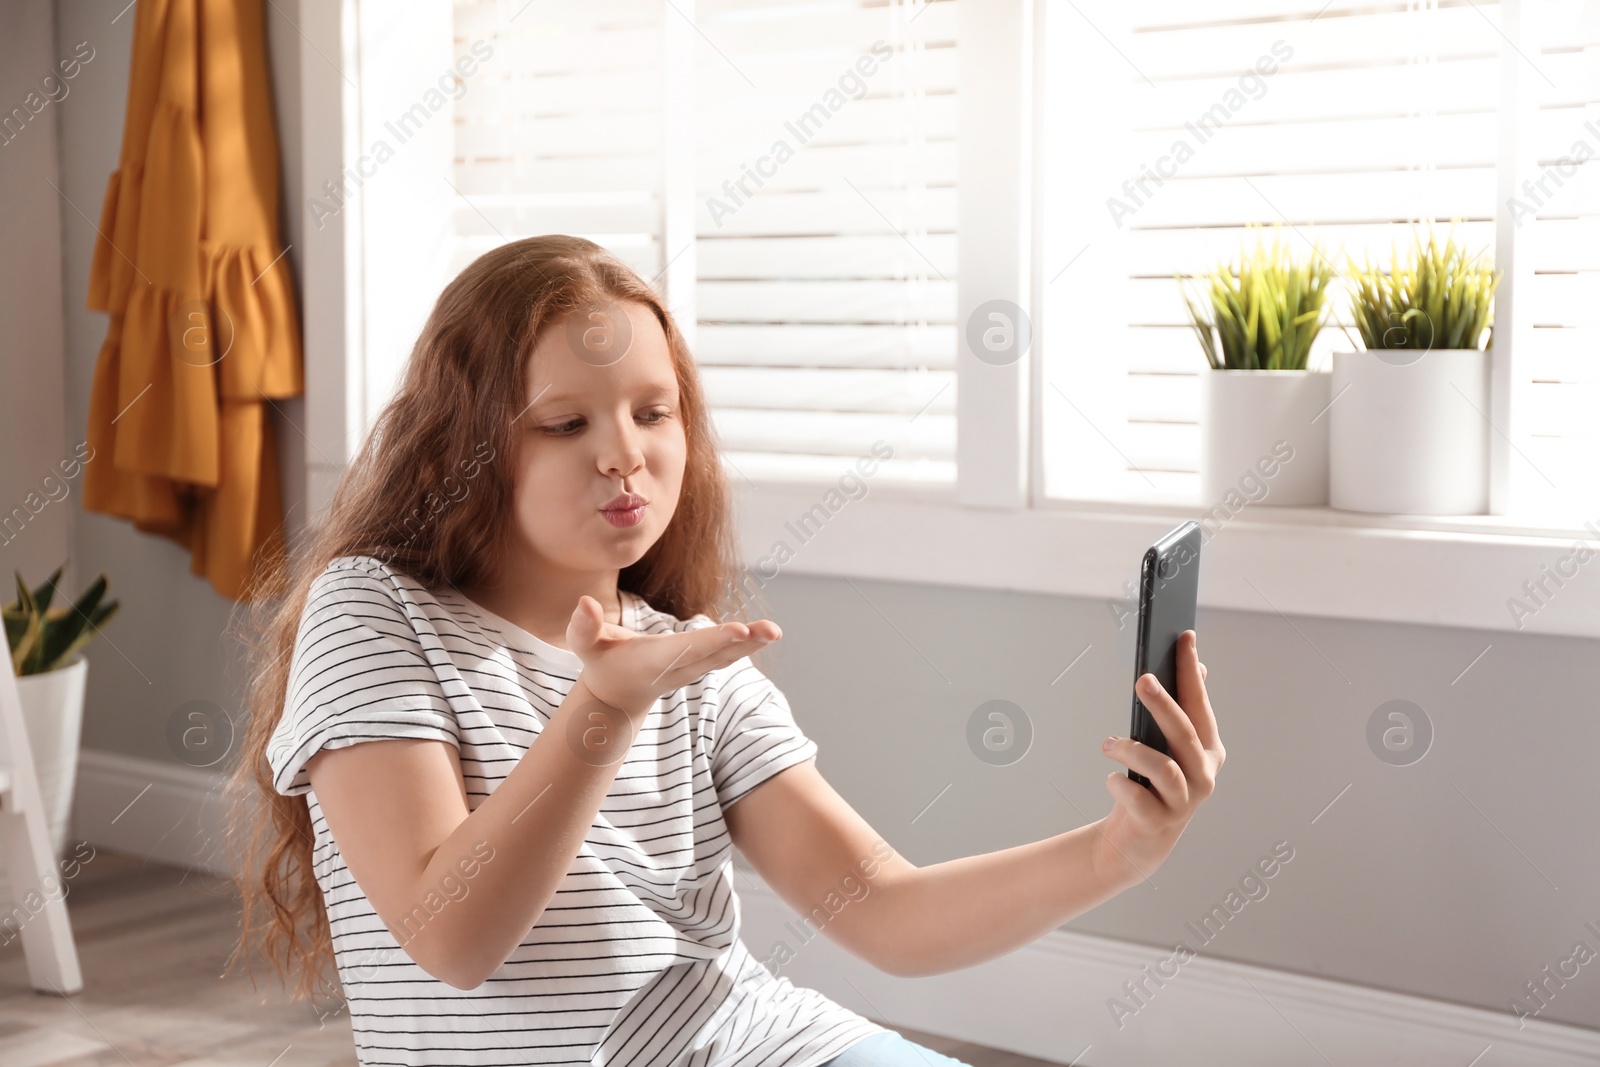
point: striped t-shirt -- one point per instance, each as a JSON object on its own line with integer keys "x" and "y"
{"x": 637, "y": 960}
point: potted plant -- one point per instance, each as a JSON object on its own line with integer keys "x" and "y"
{"x": 1410, "y": 431}
{"x": 1260, "y": 402}
{"x": 45, "y": 643}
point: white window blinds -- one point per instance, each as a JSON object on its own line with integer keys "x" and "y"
{"x": 820, "y": 210}
{"x": 560, "y": 131}
{"x": 1559, "y": 211}
{"x": 826, "y": 234}
{"x": 1172, "y": 127}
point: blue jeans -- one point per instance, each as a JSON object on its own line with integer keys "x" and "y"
{"x": 891, "y": 1050}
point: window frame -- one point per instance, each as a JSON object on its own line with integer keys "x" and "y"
{"x": 1449, "y": 571}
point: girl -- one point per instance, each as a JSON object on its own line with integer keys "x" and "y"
{"x": 502, "y": 751}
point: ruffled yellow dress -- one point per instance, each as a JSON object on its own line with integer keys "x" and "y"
{"x": 203, "y": 329}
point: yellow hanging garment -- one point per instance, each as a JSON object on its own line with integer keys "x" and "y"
{"x": 203, "y": 326}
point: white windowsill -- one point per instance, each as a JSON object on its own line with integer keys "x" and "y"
{"x": 1455, "y": 571}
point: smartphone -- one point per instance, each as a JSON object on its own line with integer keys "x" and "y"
{"x": 1169, "y": 581}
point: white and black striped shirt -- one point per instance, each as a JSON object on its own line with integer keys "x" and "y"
{"x": 637, "y": 961}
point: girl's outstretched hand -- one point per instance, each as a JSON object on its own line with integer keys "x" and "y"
{"x": 1144, "y": 825}
{"x": 629, "y": 670}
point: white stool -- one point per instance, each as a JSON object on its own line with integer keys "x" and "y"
{"x": 47, "y": 942}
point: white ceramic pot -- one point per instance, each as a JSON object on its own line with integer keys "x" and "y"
{"x": 1263, "y": 437}
{"x": 1408, "y": 433}
{"x": 52, "y": 709}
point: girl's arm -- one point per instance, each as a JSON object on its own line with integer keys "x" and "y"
{"x": 966, "y": 911}
{"x": 831, "y": 867}
{"x": 460, "y": 890}
{"x": 805, "y": 840}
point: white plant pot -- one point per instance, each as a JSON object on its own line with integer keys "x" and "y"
{"x": 1408, "y": 432}
{"x": 1263, "y": 438}
{"x": 52, "y": 710}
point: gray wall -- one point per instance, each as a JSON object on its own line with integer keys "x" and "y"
{"x": 1405, "y": 883}
{"x": 33, "y": 436}
{"x": 165, "y": 646}
{"x": 1430, "y": 879}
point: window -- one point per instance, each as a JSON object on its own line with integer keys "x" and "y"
{"x": 1558, "y": 212}
{"x": 561, "y": 129}
{"x": 1341, "y": 123}
{"x": 786, "y": 174}
{"x": 826, "y": 212}
{"x": 832, "y": 306}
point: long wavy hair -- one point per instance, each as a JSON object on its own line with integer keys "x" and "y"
{"x": 462, "y": 388}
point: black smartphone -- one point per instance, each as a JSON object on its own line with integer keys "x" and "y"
{"x": 1169, "y": 582}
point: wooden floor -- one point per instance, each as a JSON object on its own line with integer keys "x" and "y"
{"x": 153, "y": 941}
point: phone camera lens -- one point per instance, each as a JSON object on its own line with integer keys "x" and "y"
{"x": 1167, "y": 567}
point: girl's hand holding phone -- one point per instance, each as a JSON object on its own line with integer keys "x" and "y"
{"x": 1145, "y": 824}
{"x": 629, "y": 670}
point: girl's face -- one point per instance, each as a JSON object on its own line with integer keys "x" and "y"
{"x": 602, "y": 420}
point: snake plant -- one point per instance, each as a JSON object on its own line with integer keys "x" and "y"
{"x": 1264, "y": 313}
{"x": 1439, "y": 296}
{"x": 42, "y": 638}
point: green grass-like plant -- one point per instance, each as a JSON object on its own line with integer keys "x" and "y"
{"x": 1439, "y": 296}
{"x": 42, "y": 638}
{"x": 1264, "y": 313}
